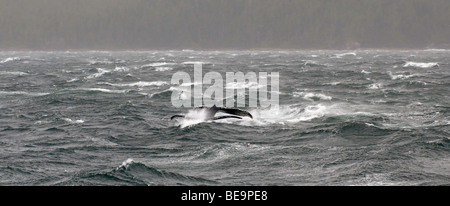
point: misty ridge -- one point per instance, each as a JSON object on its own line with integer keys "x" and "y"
{"x": 223, "y": 24}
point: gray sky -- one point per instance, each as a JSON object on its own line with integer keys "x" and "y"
{"x": 223, "y": 24}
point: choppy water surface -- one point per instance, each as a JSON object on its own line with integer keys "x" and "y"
{"x": 345, "y": 118}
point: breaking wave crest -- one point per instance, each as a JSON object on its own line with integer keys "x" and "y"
{"x": 423, "y": 65}
{"x": 131, "y": 172}
{"x": 138, "y": 84}
{"x": 100, "y": 72}
{"x": 293, "y": 114}
{"x": 9, "y": 59}
{"x": 312, "y": 96}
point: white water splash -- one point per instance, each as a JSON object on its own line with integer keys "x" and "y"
{"x": 193, "y": 117}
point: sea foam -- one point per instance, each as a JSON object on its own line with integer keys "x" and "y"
{"x": 422, "y": 65}
{"x": 100, "y": 72}
{"x": 9, "y": 59}
{"x": 139, "y": 84}
{"x": 311, "y": 96}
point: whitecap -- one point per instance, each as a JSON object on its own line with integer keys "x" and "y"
{"x": 243, "y": 85}
{"x": 423, "y": 65}
{"x": 310, "y": 112}
{"x": 345, "y": 54}
{"x": 163, "y": 69}
{"x": 437, "y": 50}
{"x": 80, "y": 121}
{"x": 73, "y": 80}
{"x": 194, "y": 62}
{"x": 178, "y": 88}
{"x": 94, "y": 62}
{"x": 102, "y": 90}
{"x": 311, "y": 96}
{"x": 125, "y": 164}
{"x": 400, "y": 76}
{"x": 13, "y": 73}
{"x": 311, "y": 63}
{"x": 138, "y": 84}
{"x": 182, "y": 93}
{"x": 121, "y": 69}
{"x": 334, "y": 83}
{"x": 100, "y": 72}
{"x": 375, "y": 86}
{"x": 9, "y": 59}
{"x": 157, "y": 64}
{"x": 23, "y": 93}
{"x": 289, "y": 114}
{"x": 190, "y": 84}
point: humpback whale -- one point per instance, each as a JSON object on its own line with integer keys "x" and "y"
{"x": 211, "y": 112}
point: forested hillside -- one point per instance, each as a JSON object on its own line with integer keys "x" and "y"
{"x": 224, "y": 24}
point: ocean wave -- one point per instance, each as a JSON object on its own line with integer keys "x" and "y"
{"x": 290, "y": 114}
{"x": 311, "y": 63}
{"x": 243, "y": 85}
{"x": 333, "y": 83}
{"x": 401, "y": 76}
{"x": 311, "y": 96}
{"x": 375, "y": 180}
{"x": 344, "y": 55}
{"x": 133, "y": 172}
{"x": 121, "y": 69}
{"x": 195, "y": 62}
{"x": 73, "y": 80}
{"x": 23, "y": 93}
{"x": 100, "y": 72}
{"x": 184, "y": 90}
{"x": 224, "y": 151}
{"x": 423, "y": 65}
{"x": 168, "y": 92}
{"x": 80, "y": 121}
{"x": 102, "y": 90}
{"x": 437, "y": 50}
{"x": 138, "y": 84}
{"x": 375, "y": 86}
{"x": 190, "y": 84}
{"x": 9, "y": 59}
{"x": 157, "y": 64}
{"x": 357, "y": 130}
{"x": 13, "y": 73}
{"x": 163, "y": 69}
{"x": 97, "y": 62}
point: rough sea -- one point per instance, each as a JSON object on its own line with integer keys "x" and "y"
{"x": 345, "y": 118}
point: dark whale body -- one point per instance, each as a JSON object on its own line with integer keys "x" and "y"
{"x": 211, "y": 112}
